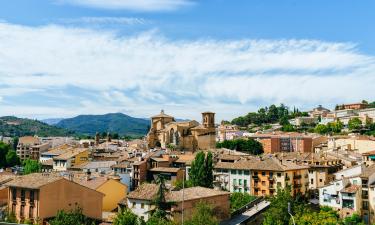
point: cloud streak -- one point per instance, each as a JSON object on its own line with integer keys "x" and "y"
{"x": 101, "y": 71}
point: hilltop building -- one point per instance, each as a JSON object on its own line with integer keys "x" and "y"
{"x": 185, "y": 135}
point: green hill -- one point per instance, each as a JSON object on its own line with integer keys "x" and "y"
{"x": 12, "y": 126}
{"x": 113, "y": 123}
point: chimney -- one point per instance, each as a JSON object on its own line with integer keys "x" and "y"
{"x": 88, "y": 175}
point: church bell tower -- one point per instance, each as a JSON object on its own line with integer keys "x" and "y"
{"x": 208, "y": 119}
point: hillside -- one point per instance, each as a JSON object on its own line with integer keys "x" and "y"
{"x": 52, "y": 121}
{"x": 13, "y": 126}
{"x": 113, "y": 123}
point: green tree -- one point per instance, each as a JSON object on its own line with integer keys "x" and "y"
{"x": 238, "y": 200}
{"x": 4, "y": 149}
{"x": 354, "y": 219}
{"x": 15, "y": 142}
{"x": 12, "y": 158}
{"x": 31, "y": 166}
{"x": 276, "y": 214}
{"x": 159, "y": 219}
{"x": 335, "y": 127}
{"x": 73, "y": 217}
{"x": 203, "y": 214}
{"x": 284, "y": 121}
{"x": 288, "y": 128}
{"x": 201, "y": 172}
{"x": 127, "y": 217}
{"x": 355, "y": 124}
{"x": 250, "y": 146}
{"x": 197, "y": 172}
{"x": 326, "y": 216}
{"x": 321, "y": 129}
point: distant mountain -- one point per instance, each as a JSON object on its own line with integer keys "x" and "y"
{"x": 13, "y": 126}
{"x": 113, "y": 123}
{"x": 52, "y": 121}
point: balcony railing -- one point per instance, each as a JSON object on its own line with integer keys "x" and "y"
{"x": 297, "y": 176}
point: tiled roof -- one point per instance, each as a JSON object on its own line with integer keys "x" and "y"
{"x": 369, "y": 153}
{"x": 158, "y": 159}
{"x": 193, "y": 193}
{"x": 29, "y": 140}
{"x": 350, "y": 189}
{"x": 269, "y": 164}
{"x": 34, "y": 180}
{"x": 165, "y": 169}
{"x": 92, "y": 183}
{"x": 162, "y": 115}
{"x": 144, "y": 192}
{"x": 70, "y": 153}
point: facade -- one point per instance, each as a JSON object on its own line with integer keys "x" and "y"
{"x": 30, "y": 148}
{"x": 186, "y": 135}
{"x": 357, "y": 144}
{"x": 38, "y": 197}
{"x": 139, "y": 173}
{"x": 140, "y": 201}
{"x": 319, "y": 111}
{"x": 71, "y": 158}
{"x": 261, "y": 177}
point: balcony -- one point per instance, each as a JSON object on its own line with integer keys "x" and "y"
{"x": 297, "y": 185}
{"x": 255, "y": 177}
{"x": 271, "y": 178}
{"x": 287, "y": 178}
{"x": 297, "y": 176}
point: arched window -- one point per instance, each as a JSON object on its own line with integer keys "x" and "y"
{"x": 177, "y": 138}
{"x": 171, "y": 136}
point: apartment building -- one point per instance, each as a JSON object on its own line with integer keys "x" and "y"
{"x": 141, "y": 201}
{"x": 139, "y": 173}
{"x": 358, "y": 144}
{"x": 261, "y": 177}
{"x": 70, "y": 158}
{"x": 38, "y": 197}
{"x": 31, "y": 147}
{"x": 288, "y": 142}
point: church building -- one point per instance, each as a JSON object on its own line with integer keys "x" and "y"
{"x": 184, "y": 135}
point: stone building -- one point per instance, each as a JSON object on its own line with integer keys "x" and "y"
{"x": 185, "y": 135}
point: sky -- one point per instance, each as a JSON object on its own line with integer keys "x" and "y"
{"x": 62, "y": 58}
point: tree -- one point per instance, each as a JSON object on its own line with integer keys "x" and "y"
{"x": 127, "y": 217}
{"x": 197, "y": 172}
{"x": 321, "y": 129}
{"x": 12, "y": 158}
{"x": 201, "y": 172}
{"x": 284, "y": 121}
{"x": 288, "y": 128}
{"x": 203, "y": 214}
{"x": 354, "y": 219}
{"x": 276, "y": 214}
{"x": 250, "y": 146}
{"x": 15, "y": 142}
{"x": 4, "y": 149}
{"x": 238, "y": 200}
{"x": 73, "y": 217}
{"x": 335, "y": 127}
{"x": 31, "y": 166}
{"x": 326, "y": 216}
{"x": 355, "y": 124}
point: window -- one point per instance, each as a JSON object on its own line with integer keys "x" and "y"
{"x": 142, "y": 205}
{"x": 312, "y": 181}
{"x": 14, "y": 194}
{"x": 365, "y": 205}
{"x": 246, "y": 172}
{"x": 263, "y": 183}
{"x": 263, "y": 192}
{"x": 22, "y": 212}
{"x": 239, "y": 172}
{"x": 255, "y": 173}
{"x": 134, "y": 204}
{"x": 233, "y": 171}
{"x": 239, "y": 181}
{"x": 263, "y": 173}
{"x": 31, "y": 196}
{"x": 22, "y": 195}
{"x": 245, "y": 183}
{"x": 234, "y": 181}
{"x": 13, "y": 208}
{"x": 271, "y": 174}
{"x": 278, "y": 174}
{"x": 355, "y": 182}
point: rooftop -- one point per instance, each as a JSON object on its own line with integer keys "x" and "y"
{"x": 144, "y": 192}
{"x": 165, "y": 169}
{"x": 193, "y": 193}
{"x": 70, "y": 153}
{"x": 34, "y": 180}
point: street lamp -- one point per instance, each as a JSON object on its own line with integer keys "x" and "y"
{"x": 290, "y": 213}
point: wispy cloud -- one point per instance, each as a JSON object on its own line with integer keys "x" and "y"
{"x": 134, "y": 5}
{"x": 101, "y": 71}
{"x": 106, "y": 20}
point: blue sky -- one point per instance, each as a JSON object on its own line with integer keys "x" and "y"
{"x": 61, "y": 58}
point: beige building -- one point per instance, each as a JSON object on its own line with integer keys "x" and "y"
{"x": 186, "y": 135}
{"x": 30, "y": 148}
{"x": 38, "y": 197}
{"x": 359, "y": 144}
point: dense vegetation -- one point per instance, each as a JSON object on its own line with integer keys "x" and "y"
{"x": 249, "y": 146}
{"x": 239, "y": 200}
{"x": 8, "y": 156}
{"x": 74, "y": 217}
{"x": 278, "y": 212}
{"x": 267, "y": 115}
{"x": 12, "y": 126}
{"x": 201, "y": 173}
{"x": 31, "y": 166}
{"x": 114, "y": 123}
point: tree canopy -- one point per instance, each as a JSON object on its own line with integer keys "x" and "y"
{"x": 127, "y": 217}
{"x": 8, "y": 157}
{"x": 203, "y": 214}
{"x": 250, "y": 146}
{"x": 201, "y": 173}
{"x": 355, "y": 124}
{"x": 31, "y": 166}
{"x": 238, "y": 200}
{"x": 73, "y": 217}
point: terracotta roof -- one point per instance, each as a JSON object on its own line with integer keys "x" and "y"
{"x": 165, "y": 169}
{"x": 6, "y": 178}
{"x": 70, "y": 153}
{"x": 92, "y": 183}
{"x": 350, "y": 189}
{"x": 269, "y": 164}
{"x": 369, "y": 153}
{"x": 162, "y": 115}
{"x": 158, "y": 159}
{"x": 193, "y": 193}
{"x": 29, "y": 140}
{"x": 144, "y": 192}
{"x": 229, "y": 157}
{"x": 34, "y": 180}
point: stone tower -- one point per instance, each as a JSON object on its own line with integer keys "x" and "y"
{"x": 208, "y": 119}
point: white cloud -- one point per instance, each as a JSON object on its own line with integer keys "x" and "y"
{"x": 136, "y": 5}
{"x": 106, "y": 20}
{"x": 143, "y": 73}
